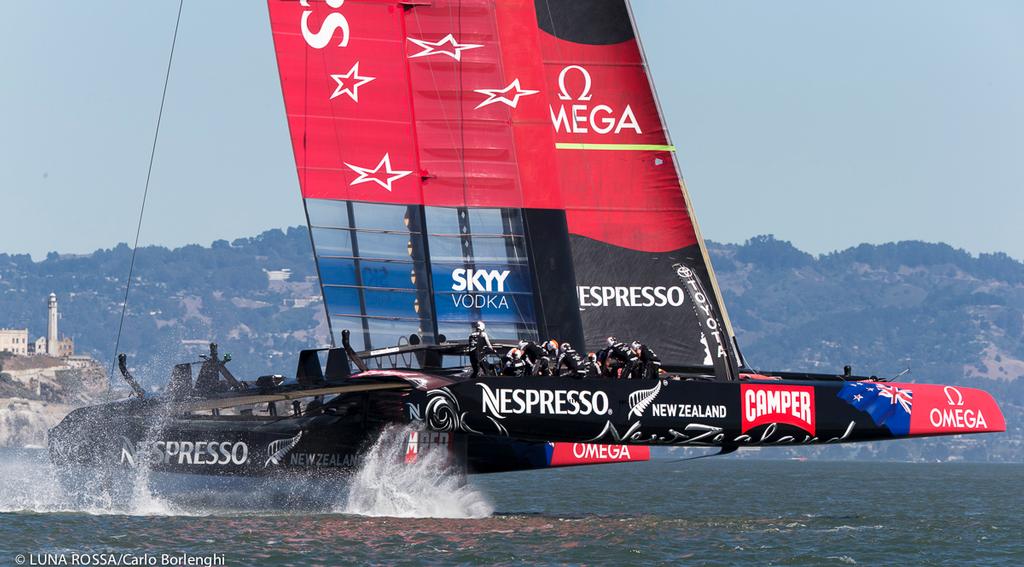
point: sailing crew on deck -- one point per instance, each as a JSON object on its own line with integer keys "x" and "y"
{"x": 574, "y": 364}
{"x": 649, "y": 364}
{"x": 479, "y": 345}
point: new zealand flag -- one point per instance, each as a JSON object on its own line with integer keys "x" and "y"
{"x": 887, "y": 405}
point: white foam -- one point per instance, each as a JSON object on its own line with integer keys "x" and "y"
{"x": 385, "y": 485}
{"x": 29, "y": 483}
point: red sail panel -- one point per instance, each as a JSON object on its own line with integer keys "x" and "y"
{"x": 600, "y": 100}
{"x": 436, "y": 89}
{"x": 597, "y": 97}
{"x": 468, "y": 153}
{"x": 410, "y": 83}
{"x": 346, "y": 90}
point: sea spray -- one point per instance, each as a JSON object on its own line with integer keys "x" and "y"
{"x": 28, "y": 482}
{"x": 143, "y": 502}
{"x": 430, "y": 487}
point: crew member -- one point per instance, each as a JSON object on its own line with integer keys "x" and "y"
{"x": 592, "y": 366}
{"x": 479, "y": 345}
{"x": 514, "y": 365}
{"x": 619, "y": 360}
{"x": 648, "y": 364}
{"x": 551, "y": 346}
{"x": 574, "y": 364}
{"x": 550, "y": 366}
{"x": 603, "y": 365}
{"x": 507, "y": 357}
{"x": 536, "y": 357}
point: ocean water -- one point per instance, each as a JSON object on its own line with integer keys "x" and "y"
{"x": 720, "y": 511}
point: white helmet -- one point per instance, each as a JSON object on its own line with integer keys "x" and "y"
{"x": 636, "y": 345}
{"x": 479, "y": 326}
{"x": 566, "y": 346}
{"x": 612, "y": 341}
{"x": 523, "y": 343}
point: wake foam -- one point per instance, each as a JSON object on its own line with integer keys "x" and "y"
{"x": 30, "y": 483}
{"x": 384, "y": 485}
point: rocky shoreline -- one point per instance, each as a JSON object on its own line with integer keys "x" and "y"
{"x": 36, "y": 392}
{"x": 25, "y": 423}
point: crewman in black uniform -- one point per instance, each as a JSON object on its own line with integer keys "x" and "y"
{"x": 649, "y": 364}
{"x": 536, "y": 357}
{"x": 514, "y": 365}
{"x": 507, "y": 358}
{"x": 550, "y": 366}
{"x": 603, "y": 364}
{"x": 479, "y": 345}
{"x": 592, "y": 366}
{"x": 551, "y": 347}
{"x": 619, "y": 356}
{"x": 571, "y": 360}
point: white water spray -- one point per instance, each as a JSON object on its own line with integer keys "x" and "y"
{"x": 385, "y": 485}
{"x": 30, "y": 483}
{"x": 143, "y": 502}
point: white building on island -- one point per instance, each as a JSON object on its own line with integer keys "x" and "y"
{"x": 15, "y": 341}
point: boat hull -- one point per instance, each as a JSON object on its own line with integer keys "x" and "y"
{"x": 107, "y": 449}
{"x": 704, "y": 413}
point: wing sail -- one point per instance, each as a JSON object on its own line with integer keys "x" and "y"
{"x": 475, "y": 159}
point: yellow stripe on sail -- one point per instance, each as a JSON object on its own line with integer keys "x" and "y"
{"x": 615, "y": 147}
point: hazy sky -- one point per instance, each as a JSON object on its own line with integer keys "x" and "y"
{"x": 825, "y": 123}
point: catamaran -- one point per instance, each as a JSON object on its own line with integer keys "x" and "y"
{"x": 503, "y": 161}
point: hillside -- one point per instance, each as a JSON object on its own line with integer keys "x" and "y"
{"x": 180, "y": 299}
{"x": 947, "y": 315}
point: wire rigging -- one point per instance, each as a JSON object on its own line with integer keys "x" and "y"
{"x": 145, "y": 193}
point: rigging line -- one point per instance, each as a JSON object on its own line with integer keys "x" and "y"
{"x": 145, "y": 193}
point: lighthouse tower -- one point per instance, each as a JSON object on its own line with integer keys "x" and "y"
{"x": 51, "y": 327}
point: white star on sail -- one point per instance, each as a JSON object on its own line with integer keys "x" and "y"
{"x": 454, "y": 49}
{"x": 498, "y": 95}
{"x": 367, "y": 175}
{"x": 353, "y": 79}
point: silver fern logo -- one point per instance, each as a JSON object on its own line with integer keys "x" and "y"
{"x": 640, "y": 400}
{"x": 279, "y": 449}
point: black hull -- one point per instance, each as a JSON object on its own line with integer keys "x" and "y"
{"x": 107, "y": 447}
{"x": 703, "y": 413}
{"x": 498, "y": 424}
